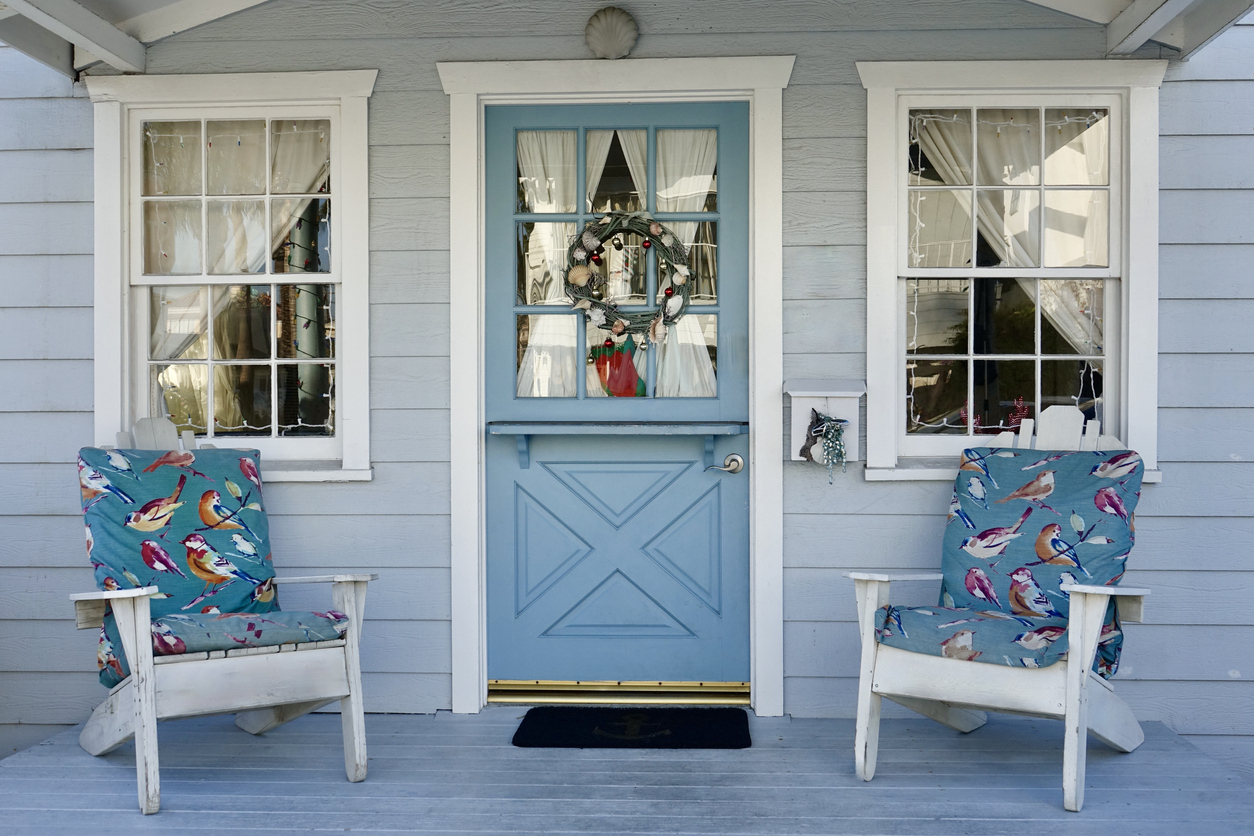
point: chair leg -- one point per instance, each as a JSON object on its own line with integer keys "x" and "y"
{"x": 866, "y": 741}
{"x": 959, "y": 719}
{"x": 134, "y": 620}
{"x": 349, "y": 597}
{"x": 262, "y": 720}
{"x": 1110, "y": 719}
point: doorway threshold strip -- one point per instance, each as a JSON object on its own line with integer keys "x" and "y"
{"x": 615, "y": 692}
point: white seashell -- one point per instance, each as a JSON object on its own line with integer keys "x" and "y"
{"x": 673, "y": 305}
{"x": 611, "y": 33}
{"x": 597, "y": 317}
{"x": 579, "y": 275}
{"x": 580, "y": 254}
{"x": 590, "y": 241}
{"x": 582, "y": 305}
{"x": 657, "y": 330}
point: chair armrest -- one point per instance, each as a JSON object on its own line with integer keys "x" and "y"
{"x": 889, "y": 577}
{"x": 329, "y": 579}
{"x": 1131, "y": 608}
{"x": 89, "y": 607}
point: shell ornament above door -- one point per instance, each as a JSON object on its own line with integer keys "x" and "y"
{"x": 611, "y": 33}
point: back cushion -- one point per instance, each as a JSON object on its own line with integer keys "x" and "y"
{"x": 1023, "y": 522}
{"x": 190, "y": 523}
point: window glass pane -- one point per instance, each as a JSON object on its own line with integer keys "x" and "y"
{"x": 236, "y": 157}
{"x": 1072, "y": 316}
{"x": 939, "y": 228}
{"x": 171, "y": 158}
{"x": 1005, "y": 394}
{"x": 702, "y": 242}
{"x": 241, "y": 322}
{"x": 547, "y": 356}
{"x": 542, "y": 249}
{"x": 940, "y": 148}
{"x": 237, "y": 236}
{"x": 1077, "y": 147}
{"x": 547, "y": 171}
{"x": 301, "y": 231}
{"x": 687, "y": 171}
{"x": 623, "y": 270}
{"x": 181, "y": 393}
{"x": 306, "y": 320}
{"x": 617, "y": 370}
{"x": 617, "y": 174}
{"x": 300, "y": 156}
{"x": 1009, "y": 146}
{"x": 1075, "y": 383}
{"x": 1005, "y": 316}
{"x": 307, "y": 400}
{"x": 241, "y": 400}
{"x": 687, "y": 360}
{"x": 936, "y": 397}
{"x": 1008, "y": 228}
{"x": 172, "y": 237}
{"x": 936, "y": 316}
{"x": 178, "y": 319}
{"x": 1077, "y": 224}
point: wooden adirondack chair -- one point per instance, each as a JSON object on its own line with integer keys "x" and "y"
{"x": 267, "y": 686}
{"x": 957, "y": 692}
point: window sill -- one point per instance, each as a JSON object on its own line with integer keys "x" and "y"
{"x": 942, "y": 470}
{"x": 316, "y": 471}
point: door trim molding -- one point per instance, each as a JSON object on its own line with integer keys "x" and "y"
{"x": 473, "y": 85}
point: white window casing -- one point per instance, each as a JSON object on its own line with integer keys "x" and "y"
{"x": 1129, "y": 89}
{"x": 121, "y": 105}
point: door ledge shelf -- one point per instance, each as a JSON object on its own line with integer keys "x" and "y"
{"x": 523, "y": 431}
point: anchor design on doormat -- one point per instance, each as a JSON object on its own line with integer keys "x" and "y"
{"x": 633, "y": 726}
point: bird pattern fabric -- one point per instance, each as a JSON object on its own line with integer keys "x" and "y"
{"x": 1023, "y": 524}
{"x": 193, "y": 524}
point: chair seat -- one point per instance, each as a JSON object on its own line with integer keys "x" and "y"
{"x": 975, "y": 635}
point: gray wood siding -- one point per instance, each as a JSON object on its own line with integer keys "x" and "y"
{"x": 398, "y": 524}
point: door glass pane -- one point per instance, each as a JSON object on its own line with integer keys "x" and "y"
{"x": 307, "y": 400}
{"x": 1072, "y": 316}
{"x": 1005, "y": 394}
{"x": 623, "y": 270}
{"x": 617, "y": 174}
{"x": 241, "y": 322}
{"x": 300, "y": 156}
{"x": 241, "y": 400}
{"x": 547, "y": 170}
{"x": 1077, "y": 223}
{"x": 687, "y": 170}
{"x": 542, "y": 256}
{"x": 1077, "y": 147}
{"x": 236, "y": 157}
{"x": 172, "y": 237}
{"x": 1005, "y": 316}
{"x": 178, "y": 320}
{"x": 936, "y": 316}
{"x": 237, "y": 236}
{"x": 306, "y": 320}
{"x": 940, "y": 148}
{"x": 547, "y": 356}
{"x": 171, "y": 158}
{"x": 1009, "y": 146}
{"x": 687, "y": 360}
{"x": 301, "y": 231}
{"x": 701, "y": 239}
{"x": 1008, "y": 228}
{"x": 939, "y": 228}
{"x": 181, "y": 392}
{"x": 619, "y": 369}
{"x": 1073, "y": 383}
{"x": 936, "y": 396}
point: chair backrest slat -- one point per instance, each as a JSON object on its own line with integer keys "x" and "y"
{"x": 155, "y": 434}
{"x": 1060, "y": 428}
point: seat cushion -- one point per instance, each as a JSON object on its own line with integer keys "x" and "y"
{"x": 197, "y": 632}
{"x": 982, "y": 635}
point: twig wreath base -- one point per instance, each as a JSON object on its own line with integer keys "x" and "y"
{"x": 582, "y": 280}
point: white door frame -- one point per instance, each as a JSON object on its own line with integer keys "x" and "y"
{"x": 473, "y": 85}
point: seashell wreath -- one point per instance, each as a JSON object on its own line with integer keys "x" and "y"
{"x": 583, "y": 283}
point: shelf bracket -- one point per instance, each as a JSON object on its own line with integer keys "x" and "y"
{"x": 524, "y": 451}
{"x": 709, "y": 451}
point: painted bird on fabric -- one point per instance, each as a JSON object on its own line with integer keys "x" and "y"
{"x": 93, "y": 484}
{"x": 1027, "y": 597}
{"x": 164, "y": 642}
{"x": 977, "y": 463}
{"x": 960, "y": 646}
{"x": 216, "y": 515}
{"x": 105, "y": 655}
{"x": 1118, "y": 467}
{"x": 245, "y": 548}
{"x": 1108, "y": 502}
{"x": 992, "y": 542}
{"x": 955, "y": 511}
{"x": 981, "y": 587}
{"x": 1052, "y": 549}
{"x": 157, "y": 558}
{"x": 1040, "y": 638}
{"x": 157, "y": 513}
{"x": 249, "y": 468}
{"x": 1052, "y": 458}
{"x": 210, "y": 566}
{"x": 264, "y": 593}
{"x": 119, "y": 462}
{"x": 977, "y": 491}
{"x": 182, "y": 459}
{"x": 1035, "y": 491}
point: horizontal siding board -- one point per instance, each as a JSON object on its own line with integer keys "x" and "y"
{"x": 409, "y": 171}
{"x": 823, "y": 218}
{"x": 45, "y": 176}
{"x": 1228, "y": 57}
{"x": 407, "y": 330}
{"x": 823, "y": 326}
{"x": 45, "y": 385}
{"x": 45, "y": 124}
{"x": 409, "y": 277}
{"x": 1206, "y": 435}
{"x": 409, "y": 383}
{"x": 46, "y": 281}
{"x": 850, "y": 365}
{"x": 45, "y": 333}
{"x": 1192, "y": 108}
{"x": 831, "y": 272}
{"x": 1205, "y": 162}
{"x": 1202, "y": 380}
{"x": 1206, "y": 216}
{"x": 409, "y": 224}
{"x": 40, "y": 437}
{"x": 409, "y": 117}
{"x": 1204, "y": 489}
{"x": 45, "y": 228}
{"x": 24, "y": 78}
{"x": 1205, "y": 271}
{"x": 1206, "y": 326}
{"x": 829, "y": 110}
{"x": 825, "y": 165}
{"x": 409, "y": 435}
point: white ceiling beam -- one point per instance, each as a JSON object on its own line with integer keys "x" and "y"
{"x": 37, "y": 42}
{"x": 1208, "y": 20}
{"x": 1097, "y": 11}
{"x": 70, "y": 21}
{"x": 1141, "y": 22}
{"x": 181, "y": 16}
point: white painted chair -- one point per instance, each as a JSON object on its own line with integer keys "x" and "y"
{"x": 265, "y": 686}
{"x": 956, "y": 693}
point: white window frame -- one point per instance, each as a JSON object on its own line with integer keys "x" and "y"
{"x": 1130, "y": 90}
{"x": 121, "y": 104}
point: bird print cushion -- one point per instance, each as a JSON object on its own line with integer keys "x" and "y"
{"x": 1022, "y": 524}
{"x": 193, "y": 524}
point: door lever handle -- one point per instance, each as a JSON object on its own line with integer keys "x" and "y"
{"x": 732, "y": 464}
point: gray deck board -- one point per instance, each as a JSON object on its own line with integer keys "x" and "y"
{"x": 441, "y": 773}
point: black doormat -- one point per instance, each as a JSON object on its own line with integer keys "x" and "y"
{"x": 580, "y": 727}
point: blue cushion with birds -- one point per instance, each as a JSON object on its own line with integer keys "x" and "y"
{"x": 1023, "y": 524}
{"x": 193, "y": 524}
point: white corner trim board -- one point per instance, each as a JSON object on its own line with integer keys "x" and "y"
{"x": 757, "y": 80}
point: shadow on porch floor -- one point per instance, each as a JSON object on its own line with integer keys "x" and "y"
{"x": 459, "y": 774}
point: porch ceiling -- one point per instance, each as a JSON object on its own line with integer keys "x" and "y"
{"x": 1184, "y": 25}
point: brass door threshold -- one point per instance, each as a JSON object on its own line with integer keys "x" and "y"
{"x": 611, "y": 692}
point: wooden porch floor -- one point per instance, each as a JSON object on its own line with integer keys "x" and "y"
{"x": 459, "y": 774}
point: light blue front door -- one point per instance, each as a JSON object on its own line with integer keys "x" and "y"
{"x": 612, "y": 553}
